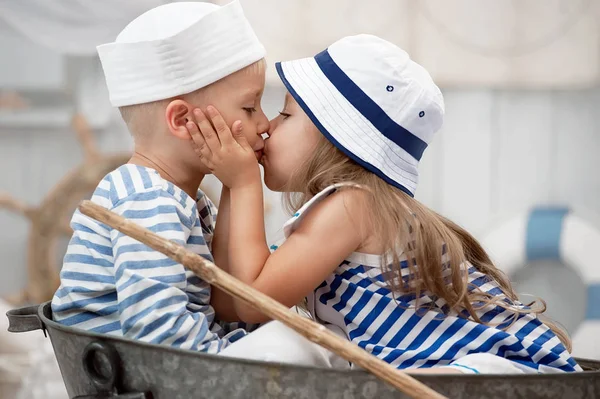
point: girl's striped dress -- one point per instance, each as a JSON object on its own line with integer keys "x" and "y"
{"x": 355, "y": 302}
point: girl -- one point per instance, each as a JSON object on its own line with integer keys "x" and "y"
{"x": 375, "y": 265}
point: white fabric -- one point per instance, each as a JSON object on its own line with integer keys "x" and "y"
{"x": 462, "y": 43}
{"x": 508, "y": 44}
{"x": 485, "y": 363}
{"x": 176, "y": 49}
{"x": 275, "y": 342}
{"x": 385, "y": 73}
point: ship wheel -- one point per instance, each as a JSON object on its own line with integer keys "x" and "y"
{"x": 50, "y": 219}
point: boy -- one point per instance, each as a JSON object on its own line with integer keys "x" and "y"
{"x": 164, "y": 64}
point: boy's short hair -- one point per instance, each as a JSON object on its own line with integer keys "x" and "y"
{"x": 136, "y": 115}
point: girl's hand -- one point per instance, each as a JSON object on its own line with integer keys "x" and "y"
{"x": 229, "y": 156}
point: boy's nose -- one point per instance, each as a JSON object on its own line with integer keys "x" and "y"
{"x": 263, "y": 124}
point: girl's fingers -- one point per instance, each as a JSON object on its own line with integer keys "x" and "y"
{"x": 200, "y": 146}
{"x": 206, "y": 130}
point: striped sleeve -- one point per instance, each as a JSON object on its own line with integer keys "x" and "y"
{"x": 213, "y": 211}
{"x": 151, "y": 288}
{"x": 207, "y": 211}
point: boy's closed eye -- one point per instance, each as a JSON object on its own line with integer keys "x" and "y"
{"x": 285, "y": 115}
{"x": 251, "y": 100}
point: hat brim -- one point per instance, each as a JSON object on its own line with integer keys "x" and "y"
{"x": 344, "y": 126}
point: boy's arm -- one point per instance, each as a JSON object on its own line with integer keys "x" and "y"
{"x": 153, "y": 302}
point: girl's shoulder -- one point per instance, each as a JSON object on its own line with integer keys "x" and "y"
{"x": 341, "y": 196}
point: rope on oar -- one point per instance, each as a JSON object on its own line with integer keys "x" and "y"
{"x": 213, "y": 275}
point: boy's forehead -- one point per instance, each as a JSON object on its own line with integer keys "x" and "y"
{"x": 250, "y": 90}
{"x": 248, "y": 81}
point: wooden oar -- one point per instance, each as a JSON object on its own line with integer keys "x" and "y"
{"x": 212, "y": 274}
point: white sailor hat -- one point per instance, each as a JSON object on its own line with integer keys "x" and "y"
{"x": 177, "y": 48}
{"x": 372, "y": 102}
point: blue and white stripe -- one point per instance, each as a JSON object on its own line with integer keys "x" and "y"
{"x": 111, "y": 283}
{"x": 356, "y": 299}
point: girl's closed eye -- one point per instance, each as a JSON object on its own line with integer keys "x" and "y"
{"x": 284, "y": 114}
{"x": 249, "y": 110}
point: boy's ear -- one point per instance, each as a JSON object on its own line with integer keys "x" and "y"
{"x": 178, "y": 112}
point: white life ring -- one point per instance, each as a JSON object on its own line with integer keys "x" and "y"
{"x": 556, "y": 234}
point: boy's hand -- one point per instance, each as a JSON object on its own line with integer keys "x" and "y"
{"x": 227, "y": 155}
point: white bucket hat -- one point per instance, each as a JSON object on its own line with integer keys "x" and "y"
{"x": 372, "y": 102}
{"x": 177, "y": 48}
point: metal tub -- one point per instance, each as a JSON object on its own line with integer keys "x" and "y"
{"x": 101, "y": 366}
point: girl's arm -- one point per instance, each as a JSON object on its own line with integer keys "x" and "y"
{"x": 324, "y": 239}
{"x": 221, "y": 301}
{"x": 326, "y": 236}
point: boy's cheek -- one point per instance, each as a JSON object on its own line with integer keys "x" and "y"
{"x": 228, "y": 113}
{"x": 237, "y": 116}
{"x": 249, "y": 132}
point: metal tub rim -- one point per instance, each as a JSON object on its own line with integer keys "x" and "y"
{"x": 39, "y": 317}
